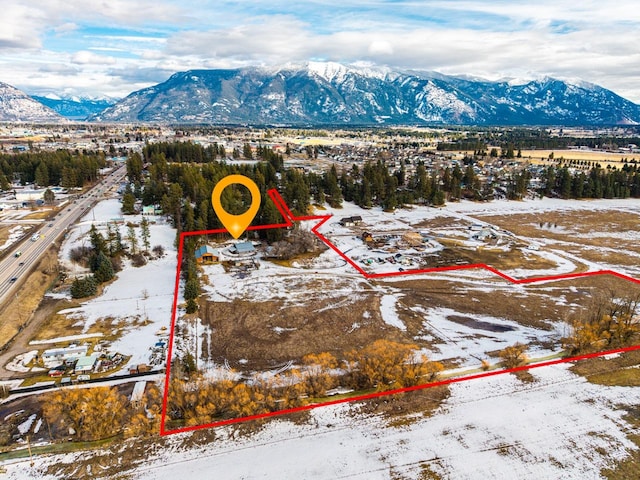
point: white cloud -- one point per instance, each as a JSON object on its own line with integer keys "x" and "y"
{"x": 85, "y": 57}
{"x": 592, "y": 40}
{"x": 380, "y": 47}
{"x": 587, "y": 54}
{"x": 20, "y": 27}
{"x": 65, "y": 28}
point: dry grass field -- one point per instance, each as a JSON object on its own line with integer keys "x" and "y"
{"x": 4, "y": 234}
{"x": 268, "y": 334}
{"x": 454, "y": 254}
{"x": 40, "y": 214}
{"x": 603, "y": 158}
{"x": 533, "y": 305}
{"x": 17, "y": 312}
{"x": 609, "y": 237}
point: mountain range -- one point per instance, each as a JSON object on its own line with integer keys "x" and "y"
{"x": 17, "y": 106}
{"x": 326, "y": 93}
{"x": 74, "y": 107}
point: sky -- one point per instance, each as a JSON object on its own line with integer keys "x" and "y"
{"x": 114, "y": 47}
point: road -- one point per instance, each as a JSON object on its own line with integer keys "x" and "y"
{"x": 13, "y": 269}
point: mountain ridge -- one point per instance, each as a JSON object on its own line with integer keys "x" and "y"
{"x": 75, "y": 107}
{"x": 331, "y": 93}
{"x": 17, "y": 106}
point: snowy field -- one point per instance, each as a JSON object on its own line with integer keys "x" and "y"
{"x": 560, "y": 426}
{"x": 491, "y": 428}
{"x": 142, "y": 297}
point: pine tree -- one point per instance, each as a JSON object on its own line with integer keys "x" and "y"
{"x": 191, "y": 289}
{"x": 246, "y": 151}
{"x": 192, "y": 306}
{"x": 49, "y": 196}
{"x": 134, "y": 168}
{"x": 97, "y": 240}
{"x": 145, "y": 234}
{"x": 133, "y": 240}
{"x": 42, "y": 175}
{"x": 104, "y": 270}
{"x": 84, "y": 287}
{"x": 128, "y": 201}
{"x": 4, "y": 183}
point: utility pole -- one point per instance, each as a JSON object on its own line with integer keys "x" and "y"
{"x": 196, "y": 325}
{"x": 29, "y": 447}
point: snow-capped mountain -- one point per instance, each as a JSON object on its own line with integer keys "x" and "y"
{"x": 17, "y": 106}
{"x": 329, "y": 93}
{"x": 75, "y": 107}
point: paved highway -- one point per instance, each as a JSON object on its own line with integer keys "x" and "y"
{"x": 14, "y": 269}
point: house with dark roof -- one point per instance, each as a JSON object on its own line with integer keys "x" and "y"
{"x": 351, "y": 221}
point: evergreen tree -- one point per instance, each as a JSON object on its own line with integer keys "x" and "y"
{"x": 4, "y": 183}
{"x": 42, "y": 175}
{"x": 128, "y": 201}
{"x": 49, "y": 196}
{"x": 565, "y": 183}
{"x": 84, "y": 287}
{"x": 391, "y": 200}
{"x": 192, "y": 306}
{"x": 189, "y": 217}
{"x": 104, "y": 269}
{"x": 133, "y": 240}
{"x": 97, "y": 240}
{"x": 145, "y": 234}
{"x": 134, "y": 168}
{"x": 191, "y": 289}
{"x": 438, "y": 198}
{"x": 246, "y": 151}
{"x": 332, "y": 188}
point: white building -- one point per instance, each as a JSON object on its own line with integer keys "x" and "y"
{"x": 30, "y": 195}
{"x": 62, "y": 354}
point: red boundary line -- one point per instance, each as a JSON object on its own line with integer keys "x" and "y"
{"x": 289, "y": 218}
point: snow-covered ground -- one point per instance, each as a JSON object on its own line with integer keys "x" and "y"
{"x": 493, "y": 428}
{"x": 141, "y": 296}
{"x": 559, "y": 426}
{"x": 15, "y": 233}
{"x": 483, "y": 334}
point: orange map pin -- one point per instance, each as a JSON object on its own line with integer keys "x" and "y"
{"x": 236, "y": 224}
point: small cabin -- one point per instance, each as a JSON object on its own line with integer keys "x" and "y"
{"x": 351, "y": 221}
{"x": 206, "y": 255}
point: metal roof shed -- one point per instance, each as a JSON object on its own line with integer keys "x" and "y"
{"x": 86, "y": 364}
{"x": 244, "y": 247}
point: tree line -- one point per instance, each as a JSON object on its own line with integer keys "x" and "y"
{"x": 529, "y": 139}
{"x": 560, "y": 181}
{"x": 97, "y": 413}
{"x": 381, "y": 366}
{"x": 182, "y": 188}
{"x": 68, "y": 169}
{"x": 104, "y": 255}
